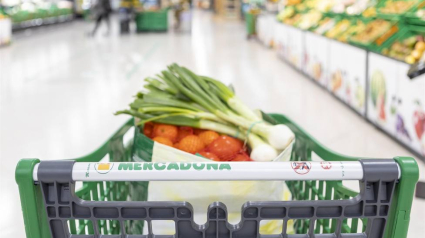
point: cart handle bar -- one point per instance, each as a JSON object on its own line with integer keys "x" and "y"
{"x": 216, "y": 171}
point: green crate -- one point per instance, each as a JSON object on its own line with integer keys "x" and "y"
{"x": 36, "y": 222}
{"x": 405, "y": 32}
{"x": 411, "y": 17}
{"x": 376, "y": 43}
{"x": 152, "y": 21}
{"x": 20, "y": 16}
{"x": 400, "y": 16}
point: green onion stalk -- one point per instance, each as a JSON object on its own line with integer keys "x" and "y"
{"x": 221, "y": 101}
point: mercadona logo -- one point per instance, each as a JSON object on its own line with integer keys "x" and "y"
{"x": 103, "y": 168}
{"x": 174, "y": 166}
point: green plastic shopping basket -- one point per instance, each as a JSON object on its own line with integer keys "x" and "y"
{"x": 322, "y": 206}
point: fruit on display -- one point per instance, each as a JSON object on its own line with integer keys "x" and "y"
{"x": 292, "y": 2}
{"x": 358, "y": 6}
{"x": 378, "y": 93}
{"x": 372, "y": 31}
{"x": 338, "y": 29}
{"x": 309, "y": 20}
{"x": 288, "y": 12}
{"x": 410, "y": 49}
{"x": 293, "y": 20}
{"x": 3, "y": 16}
{"x": 324, "y": 25}
{"x": 352, "y": 30}
{"x": 420, "y": 14}
{"x": 325, "y": 5}
{"x": 369, "y": 12}
{"x": 396, "y": 7}
{"x": 178, "y": 98}
{"x": 300, "y": 7}
{"x": 29, "y": 10}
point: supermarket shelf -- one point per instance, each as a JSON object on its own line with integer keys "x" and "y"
{"x": 352, "y": 109}
{"x": 17, "y": 26}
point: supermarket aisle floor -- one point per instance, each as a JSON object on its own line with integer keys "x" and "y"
{"x": 60, "y": 88}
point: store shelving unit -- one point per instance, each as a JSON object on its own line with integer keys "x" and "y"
{"x": 29, "y": 14}
{"x": 375, "y": 86}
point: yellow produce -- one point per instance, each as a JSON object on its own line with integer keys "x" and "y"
{"x": 410, "y": 59}
{"x": 338, "y": 29}
{"x": 420, "y": 46}
{"x": 353, "y": 29}
{"x": 416, "y": 54}
{"x": 370, "y": 12}
{"x": 397, "y": 7}
{"x": 309, "y": 20}
{"x": 372, "y": 31}
{"x": 293, "y": 2}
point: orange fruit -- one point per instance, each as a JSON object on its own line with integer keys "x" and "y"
{"x": 163, "y": 140}
{"x": 208, "y": 136}
{"x": 209, "y": 155}
{"x": 242, "y": 157}
{"x": 167, "y": 131}
{"x": 191, "y": 144}
{"x": 183, "y": 132}
{"x": 197, "y": 131}
{"x": 225, "y": 147}
{"x": 148, "y": 129}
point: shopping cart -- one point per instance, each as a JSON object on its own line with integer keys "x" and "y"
{"x": 322, "y": 207}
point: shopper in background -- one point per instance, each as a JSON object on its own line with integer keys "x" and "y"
{"x": 101, "y": 10}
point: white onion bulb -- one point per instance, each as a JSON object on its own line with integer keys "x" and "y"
{"x": 280, "y": 136}
{"x": 263, "y": 153}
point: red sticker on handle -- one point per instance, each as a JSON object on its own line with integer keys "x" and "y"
{"x": 326, "y": 165}
{"x": 301, "y": 167}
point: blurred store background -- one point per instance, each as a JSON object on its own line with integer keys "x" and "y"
{"x": 350, "y": 72}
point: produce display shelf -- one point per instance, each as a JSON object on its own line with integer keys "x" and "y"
{"x": 39, "y": 22}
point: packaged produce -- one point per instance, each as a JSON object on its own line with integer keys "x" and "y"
{"x": 358, "y": 6}
{"x": 207, "y": 143}
{"x": 309, "y": 20}
{"x": 325, "y": 5}
{"x": 372, "y": 31}
{"x": 353, "y": 29}
{"x": 292, "y": 20}
{"x": 325, "y": 25}
{"x": 338, "y": 29}
{"x": 178, "y": 101}
{"x": 288, "y": 12}
{"x": 369, "y": 12}
{"x": 396, "y": 7}
{"x": 410, "y": 49}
